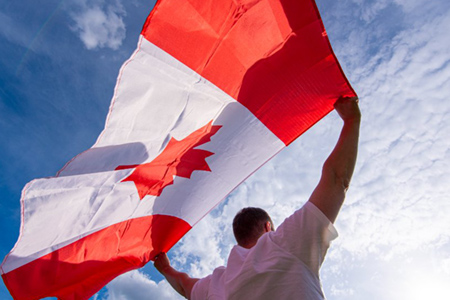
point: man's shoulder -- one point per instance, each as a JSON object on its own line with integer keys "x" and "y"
{"x": 304, "y": 216}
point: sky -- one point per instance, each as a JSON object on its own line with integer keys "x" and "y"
{"x": 59, "y": 61}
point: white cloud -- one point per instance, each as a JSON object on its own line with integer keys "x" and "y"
{"x": 99, "y": 25}
{"x": 370, "y": 10}
{"x": 341, "y": 290}
{"x": 135, "y": 285}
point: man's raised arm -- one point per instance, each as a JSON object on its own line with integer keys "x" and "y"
{"x": 338, "y": 168}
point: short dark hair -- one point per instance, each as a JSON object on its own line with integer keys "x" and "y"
{"x": 248, "y": 224}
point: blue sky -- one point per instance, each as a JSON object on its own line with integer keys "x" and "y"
{"x": 58, "y": 64}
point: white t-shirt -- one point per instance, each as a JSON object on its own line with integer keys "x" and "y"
{"x": 283, "y": 264}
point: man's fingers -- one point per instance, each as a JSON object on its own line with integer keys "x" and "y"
{"x": 349, "y": 99}
{"x": 160, "y": 255}
{"x": 342, "y": 102}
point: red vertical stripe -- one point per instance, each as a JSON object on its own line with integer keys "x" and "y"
{"x": 77, "y": 271}
{"x": 272, "y": 56}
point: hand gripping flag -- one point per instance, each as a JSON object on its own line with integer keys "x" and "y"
{"x": 213, "y": 91}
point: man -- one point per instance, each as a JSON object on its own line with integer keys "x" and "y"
{"x": 282, "y": 264}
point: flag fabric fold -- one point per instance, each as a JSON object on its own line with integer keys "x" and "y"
{"x": 212, "y": 92}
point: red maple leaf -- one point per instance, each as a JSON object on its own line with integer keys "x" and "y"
{"x": 178, "y": 158}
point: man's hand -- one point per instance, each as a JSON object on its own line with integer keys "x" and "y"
{"x": 347, "y": 108}
{"x": 161, "y": 262}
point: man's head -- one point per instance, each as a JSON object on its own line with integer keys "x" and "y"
{"x": 249, "y": 224}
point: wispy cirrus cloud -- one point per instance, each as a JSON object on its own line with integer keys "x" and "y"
{"x": 398, "y": 203}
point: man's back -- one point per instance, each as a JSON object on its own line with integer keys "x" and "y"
{"x": 282, "y": 265}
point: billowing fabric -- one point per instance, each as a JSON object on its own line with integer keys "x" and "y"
{"x": 213, "y": 91}
{"x": 282, "y": 265}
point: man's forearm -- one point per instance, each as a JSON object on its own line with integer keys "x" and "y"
{"x": 342, "y": 160}
{"x": 176, "y": 279}
{"x": 180, "y": 281}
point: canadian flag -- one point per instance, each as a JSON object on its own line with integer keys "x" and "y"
{"x": 214, "y": 90}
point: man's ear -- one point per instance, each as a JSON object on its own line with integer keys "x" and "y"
{"x": 267, "y": 227}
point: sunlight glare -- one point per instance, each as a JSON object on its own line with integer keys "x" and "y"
{"x": 427, "y": 285}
